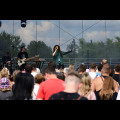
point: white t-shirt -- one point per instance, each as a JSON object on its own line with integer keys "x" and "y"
{"x": 34, "y": 74}
{"x": 118, "y": 96}
{"x": 93, "y": 75}
{"x": 37, "y": 70}
{"x": 35, "y": 91}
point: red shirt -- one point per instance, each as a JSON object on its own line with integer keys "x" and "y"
{"x": 49, "y": 87}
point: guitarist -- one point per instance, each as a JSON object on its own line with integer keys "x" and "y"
{"x": 21, "y": 55}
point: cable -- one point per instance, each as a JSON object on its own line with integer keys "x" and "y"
{"x": 62, "y": 29}
{"x": 82, "y": 32}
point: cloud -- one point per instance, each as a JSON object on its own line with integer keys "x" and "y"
{"x": 45, "y": 26}
{"x": 28, "y": 33}
{"x": 49, "y": 33}
{"x": 7, "y": 25}
{"x": 96, "y": 35}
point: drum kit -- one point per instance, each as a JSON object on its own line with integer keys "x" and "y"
{"x": 11, "y": 65}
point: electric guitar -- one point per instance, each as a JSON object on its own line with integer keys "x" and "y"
{"x": 22, "y": 61}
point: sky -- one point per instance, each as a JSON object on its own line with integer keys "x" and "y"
{"x": 48, "y": 30}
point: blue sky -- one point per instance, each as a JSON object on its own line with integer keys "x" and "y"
{"x": 48, "y": 30}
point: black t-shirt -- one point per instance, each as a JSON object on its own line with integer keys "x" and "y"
{"x": 22, "y": 55}
{"x": 66, "y": 96}
{"x": 116, "y": 77}
{"x": 112, "y": 98}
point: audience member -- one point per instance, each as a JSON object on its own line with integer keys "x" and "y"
{"x": 92, "y": 72}
{"x": 34, "y": 70}
{"x": 85, "y": 89}
{"x": 72, "y": 82}
{"x": 50, "y": 86}
{"x": 61, "y": 76}
{"x": 72, "y": 67}
{"x": 5, "y": 86}
{"x": 111, "y": 73}
{"x": 13, "y": 78}
{"x": 99, "y": 70}
{"x": 82, "y": 69}
{"x": 116, "y": 75}
{"x": 97, "y": 83}
{"x": 28, "y": 68}
{"x": 104, "y": 61}
{"x": 24, "y": 84}
{"x": 52, "y": 64}
{"x": 39, "y": 78}
{"x": 66, "y": 71}
{"x": 108, "y": 90}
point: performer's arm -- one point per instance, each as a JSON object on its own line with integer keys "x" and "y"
{"x": 65, "y": 53}
{"x": 54, "y": 52}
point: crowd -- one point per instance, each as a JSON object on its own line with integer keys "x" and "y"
{"x": 96, "y": 83}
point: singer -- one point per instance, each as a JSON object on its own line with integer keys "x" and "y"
{"x": 58, "y": 56}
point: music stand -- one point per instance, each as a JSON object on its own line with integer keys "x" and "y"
{"x": 39, "y": 63}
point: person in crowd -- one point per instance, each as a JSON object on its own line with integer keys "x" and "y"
{"x": 52, "y": 64}
{"x": 99, "y": 70}
{"x": 39, "y": 78}
{"x": 66, "y": 71}
{"x": 82, "y": 69}
{"x": 61, "y": 76}
{"x": 28, "y": 69}
{"x": 72, "y": 67}
{"x": 116, "y": 75}
{"x": 58, "y": 56}
{"x": 14, "y": 74}
{"x": 13, "y": 78}
{"x": 50, "y": 86}
{"x": 24, "y": 85}
{"x": 72, "y": 82}
{"x": 118, "y": 96}
{"x": 104, "y": 61}
{"x": 97, "y": 83}
{"x": 92, "y": 72}
{"x": 108, "y": 90}
{"x": 111, "y": 73}
{"x": 85, "y": 89}
{"x": 5, "y": 86}
{"x": 34, "y": 70}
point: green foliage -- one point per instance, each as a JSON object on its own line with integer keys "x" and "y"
{"x": 35, "y": 48}
{"x": 108, "y": 49}
{"x": 9, "y": 43}
{"x": 83, "y": 49}
{"x": 70, "y": 47}
{"x": 12, "y": 44}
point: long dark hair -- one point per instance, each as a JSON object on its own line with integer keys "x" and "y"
{"x": 58, "y": 49}
{"x": 24, "y": 84}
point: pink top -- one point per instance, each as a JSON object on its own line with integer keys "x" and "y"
{"x": 91, "y": 96}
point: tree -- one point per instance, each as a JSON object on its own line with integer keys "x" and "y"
{"x": 70, "y": 47}
{"x": 10, "y": 43}
{"x": 40, "y": 48}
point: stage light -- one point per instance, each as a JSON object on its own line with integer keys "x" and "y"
{"x": 23, "y": 23}
{"x": 0, "y": 24}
